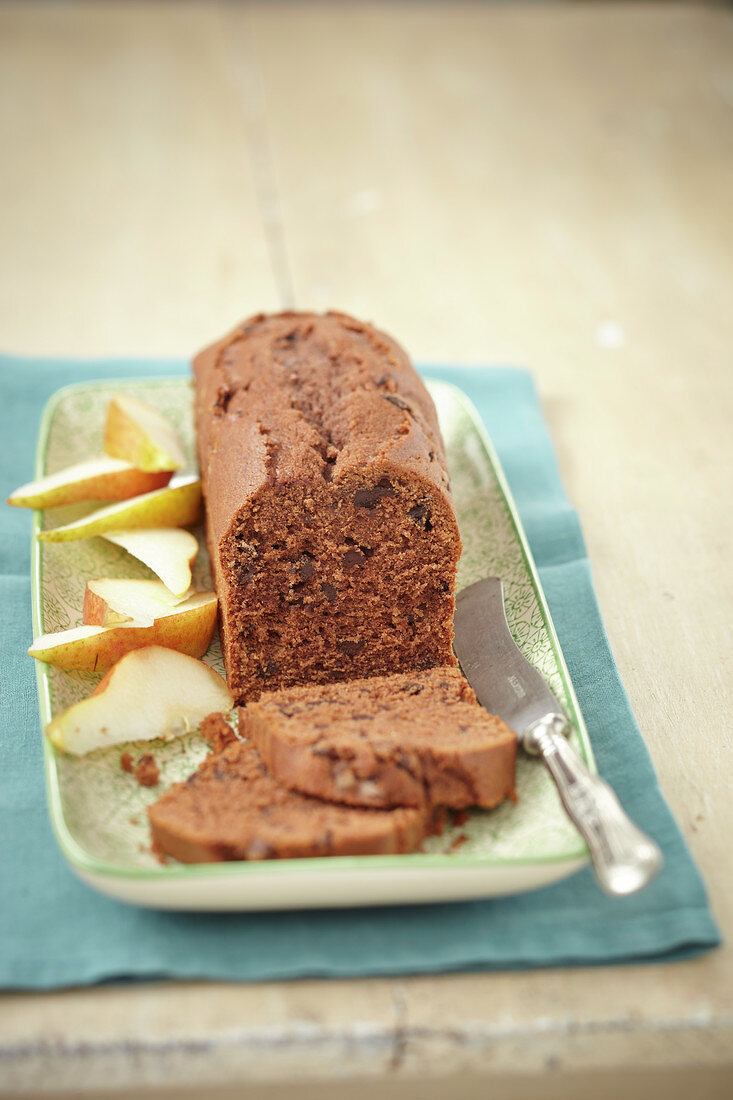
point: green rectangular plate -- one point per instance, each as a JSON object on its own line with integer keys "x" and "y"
{"x": 98, "y": 810}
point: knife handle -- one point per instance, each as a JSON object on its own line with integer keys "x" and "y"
{"x": 624, "y": 858}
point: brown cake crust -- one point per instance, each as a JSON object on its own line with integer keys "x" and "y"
{"x": 331, "y": 529}
{"x": 413, "y": 739}
{"x": 231, "y": 808}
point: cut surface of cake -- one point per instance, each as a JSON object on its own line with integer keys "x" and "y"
{"x": 410, "y": 739}
{"x": 231, "y": 808}
{"x": 330, "y": 523}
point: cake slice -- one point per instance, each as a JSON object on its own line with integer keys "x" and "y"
{"x": 231, "y": 808}
{"x": 415, "y": 739}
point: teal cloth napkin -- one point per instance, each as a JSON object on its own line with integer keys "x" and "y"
{"x": 55, "y": 931}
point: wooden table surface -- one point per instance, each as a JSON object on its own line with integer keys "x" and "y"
{"x": 543, "y": 184}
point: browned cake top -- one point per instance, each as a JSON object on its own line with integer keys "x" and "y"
{"x": 437, "y": 706}
{"x": 299, "y": 396}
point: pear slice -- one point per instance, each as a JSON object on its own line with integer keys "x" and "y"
{"x": 109, "y": 601}
{"x": 153, "y": 692}
{"x": 175, "y": 506}
{"x": 140, "y": 434}
{"x": 187, "y": 627}
{"x": 101, "y": 478}
{"x": 168, "y": 551}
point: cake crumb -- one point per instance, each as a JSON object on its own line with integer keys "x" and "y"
{"x": 147, "y": 771}
{"x": 159, "y": 854}
{"x": 217, "y": 731}
{"x": 126, "y": 762}
{"x": 438, "y": 822}
{"x": 459, "y": 841}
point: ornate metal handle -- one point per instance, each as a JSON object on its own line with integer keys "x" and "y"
{"x": 624, "y": 858}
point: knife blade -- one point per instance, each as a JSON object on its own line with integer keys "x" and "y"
{"x": 624, "y": 858}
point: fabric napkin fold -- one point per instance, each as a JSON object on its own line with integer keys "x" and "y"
{"x": 55, "y": 931}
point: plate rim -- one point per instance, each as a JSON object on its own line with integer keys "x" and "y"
{"x": 90, "y": 865}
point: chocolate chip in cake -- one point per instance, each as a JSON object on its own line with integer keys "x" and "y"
{"x": 304, "y": 566}
{"x": 369, "y": 498}
{"x": 266, "y": 671}
{"x": 329, "y": 592}
{"x": 354, "y": 557}
{"x": 399, "y": 403}
{"x": 420, "y": 515}
{"x": 223, "y": 397}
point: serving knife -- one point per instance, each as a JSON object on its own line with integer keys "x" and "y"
{"x": 624, "y": 858}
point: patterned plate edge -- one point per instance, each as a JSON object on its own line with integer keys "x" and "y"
{"x": 574, "y": 706}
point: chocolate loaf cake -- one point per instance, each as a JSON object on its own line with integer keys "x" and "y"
{"x": 231, "y": 808}
{"x": 413, "y": 739}
{"x": 331, "y": 530}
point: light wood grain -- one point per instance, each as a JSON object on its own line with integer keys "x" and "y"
{"x": 551, "y": 186}
{"x": 540, "y": 184}
{"x": 130, "y": 222}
